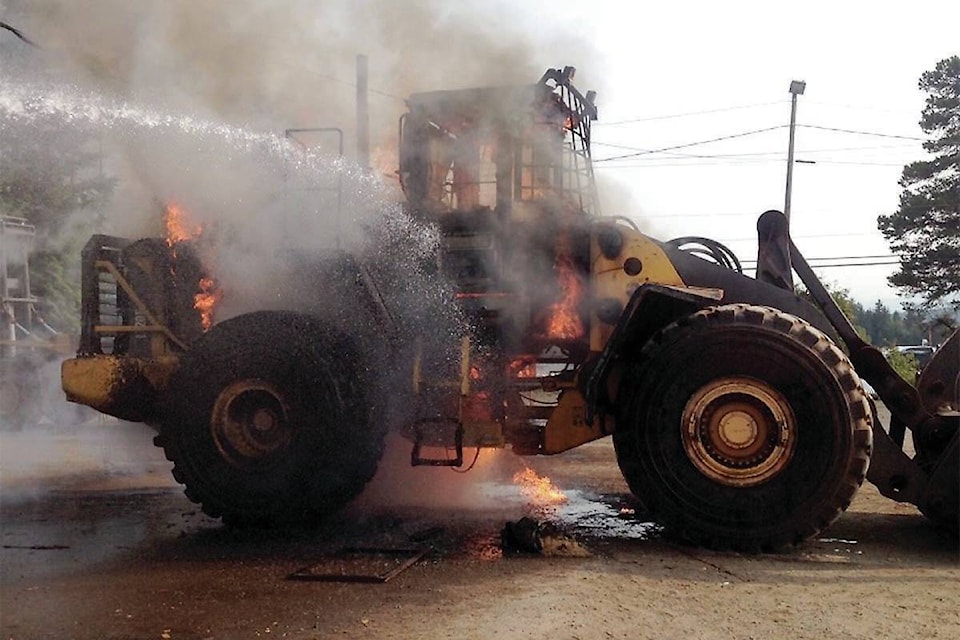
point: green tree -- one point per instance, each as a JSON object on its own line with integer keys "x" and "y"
{"x": 925, "y": 230}
{"x": 50, "y": 175}
{"x": 850, "y": 307}
{"x": 904, "y": 364}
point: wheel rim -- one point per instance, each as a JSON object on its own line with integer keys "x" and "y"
{"x": 738, "y": 431}
{"x": 249, "y": 423}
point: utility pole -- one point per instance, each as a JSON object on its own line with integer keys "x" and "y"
{"x": 796, "y": 89}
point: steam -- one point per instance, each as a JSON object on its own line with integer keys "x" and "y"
{"x": 188, "y": 102}
{"x": 273, "y": 66}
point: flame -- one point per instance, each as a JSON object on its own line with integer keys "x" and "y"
{"x": 205, "y": 301}
{"x": 178, "y": 228}
{"x": 384, "y": 162}
{"x": 564, "y": 322}
{"x": 523, "y": 367}
{"x": 538, "y": 489}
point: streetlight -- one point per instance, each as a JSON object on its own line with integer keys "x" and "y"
{"x": 796, "y": 89}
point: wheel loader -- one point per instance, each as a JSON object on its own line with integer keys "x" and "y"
{"x": 735, "y": 405}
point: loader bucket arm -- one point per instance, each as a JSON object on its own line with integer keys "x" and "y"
{"x": 924, "y": 480}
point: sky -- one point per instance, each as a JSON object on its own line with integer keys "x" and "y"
{"x": 729, "y": 65}
{"x": 667, "y": 74}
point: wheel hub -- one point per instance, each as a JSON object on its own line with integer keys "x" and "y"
{"x": 738, "y": 431}
{"x": 249, "y": 423}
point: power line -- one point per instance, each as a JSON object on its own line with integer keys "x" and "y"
{"x": 861, "y": 133}
{"x": 679, "y": 162}
{"x": 856, "y": 106}
{"x": 861, "y": 164}
{"x": 641, "y": 152}
{"x": 856, "y": 264}
{"x": 809, "y": 236}
{"x": 780, "y": 153}
{"x": 888, "y": 256}
{"x": 753, "y": 267}
{"x": 671, "y": 116}
{"x": 692, "y": 144}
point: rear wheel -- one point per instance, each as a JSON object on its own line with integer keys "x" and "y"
{"x": 267, "y": 420}
{"x": 743, "y": 427}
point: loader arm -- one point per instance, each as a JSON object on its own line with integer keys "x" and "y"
{"x": 927, "y": 480}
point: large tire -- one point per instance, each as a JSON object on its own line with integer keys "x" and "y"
{"x": 743, "y": 427}
{"x": 267, "y": 420}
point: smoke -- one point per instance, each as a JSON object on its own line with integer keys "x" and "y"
{"x": 485, "y": 486}
{"x": 189, "y": 101}
{"x": 269, "y": 66}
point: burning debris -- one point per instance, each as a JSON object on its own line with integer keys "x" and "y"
{"x": 527, "y": 535}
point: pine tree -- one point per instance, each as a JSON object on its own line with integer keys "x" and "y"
{"x": 925, "y": 230}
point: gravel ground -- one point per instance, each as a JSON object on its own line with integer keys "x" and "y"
{"x": 99, "y": 542}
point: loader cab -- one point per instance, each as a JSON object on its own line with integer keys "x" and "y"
{"x": 505, "y": 173}
{"x": 491, "y": 149}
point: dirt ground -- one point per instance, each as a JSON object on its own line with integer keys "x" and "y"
{"x": 99, "y": 543}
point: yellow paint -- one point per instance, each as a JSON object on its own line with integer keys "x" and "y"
{"x": 567, "y": 427}
{"x": 121, "y": 386}
{"x": 91, "y": 381}
{"x": 611, "y": 281}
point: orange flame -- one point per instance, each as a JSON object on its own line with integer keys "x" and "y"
{"x": 205, "y": 301}
{"x": 523, "y": 367}
{"x": 538, "y": 489}
{"x": 565, "y": 322}
{"x": 180, "y": 229}
{"x": 383, "y": 160}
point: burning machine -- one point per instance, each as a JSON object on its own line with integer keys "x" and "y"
{"x": 736, "y": 418}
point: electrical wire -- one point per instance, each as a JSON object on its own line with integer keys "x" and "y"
{"x": 781, "y": 155}
{"x": 641, "y": 152}
{"x": 678, "y": 162}
{"x": 693, "y": 144}
{"x": 476, "y": 457}
{"x": 861, "y": 133}
{"x": 877, "y": 257}
{"x": 671, "y": 116}
{"x": 861, "y": 107}
{"x": 856, "y": 264}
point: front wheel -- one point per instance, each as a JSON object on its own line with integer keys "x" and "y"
{"x": 743, "y": 427}
{"x": 267, "y": 420}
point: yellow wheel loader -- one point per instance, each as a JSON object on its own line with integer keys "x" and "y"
{"x": 735, "y": 406}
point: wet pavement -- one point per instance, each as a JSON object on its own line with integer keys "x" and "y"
{"x": 99, "y": 542}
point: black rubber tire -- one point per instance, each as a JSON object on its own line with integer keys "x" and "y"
{"x": 335, "y": 444}
{"x": 832, "y": 428}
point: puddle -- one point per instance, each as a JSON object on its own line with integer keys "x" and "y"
{"x": 836, "y": 540}
{"x": 843, "y": 545}
{"x": 582, "y": 514}
{"x": 596, "y": 516}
